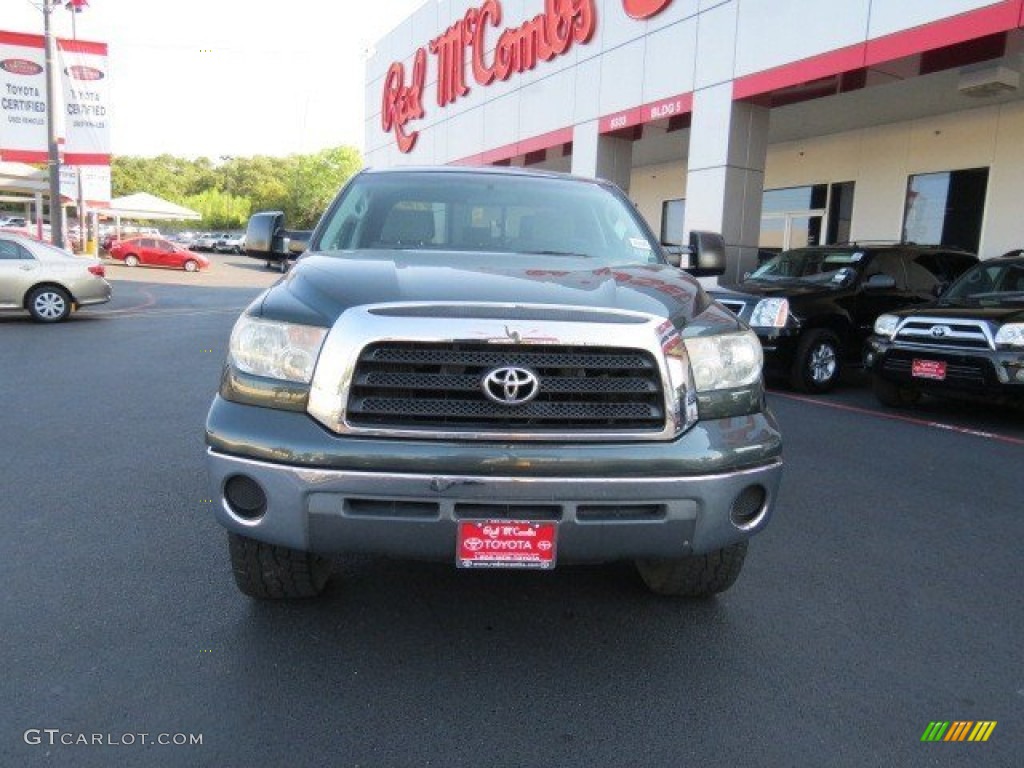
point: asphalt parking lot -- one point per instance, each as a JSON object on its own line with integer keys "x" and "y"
{"x": 886, "y": 593}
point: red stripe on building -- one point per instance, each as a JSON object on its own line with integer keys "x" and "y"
{"x": 535, "y": 144}
{"x": 999, "y": 17}
{"x": 647, "y": 113}
{"x": 938, "y": 34}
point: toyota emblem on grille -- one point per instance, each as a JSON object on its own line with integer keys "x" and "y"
{"x": 511, "y": 386}
{"x": 939, "y": 331}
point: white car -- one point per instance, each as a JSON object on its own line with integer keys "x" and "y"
{"x": 231, "y": 244}
{"x": 47, "y": 282}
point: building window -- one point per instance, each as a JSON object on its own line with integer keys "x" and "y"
{"x": 818, "y": 214}
{"x": 672, "y": 214}
{"x": 946, "y": 208}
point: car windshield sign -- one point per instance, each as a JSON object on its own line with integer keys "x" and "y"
{"x": 811, "y": 265}
{"x": 451, "y": 212}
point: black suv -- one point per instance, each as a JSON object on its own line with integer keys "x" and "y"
{"x": 813, "y": 308}
{"x": 969, "y": 342}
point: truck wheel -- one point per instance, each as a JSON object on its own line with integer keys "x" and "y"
{"x": 270, "y": 572}
{"x": 694, "y": 575}
{"x": 816, "y": 367}
{"x": 893, "y": 395}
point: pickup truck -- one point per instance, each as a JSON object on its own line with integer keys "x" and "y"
{"x": 495, "y": 368}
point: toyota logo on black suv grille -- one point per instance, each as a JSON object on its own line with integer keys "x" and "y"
{"x": 511, "y": 386}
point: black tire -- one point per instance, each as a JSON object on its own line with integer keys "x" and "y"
{"x": 817, "y": 365}
{"x": 268, "y": 265}
{"x": 269, "y": 572}
{"x": 48, "y": 304}
{"x": 282, "y": 266}
{"x": 694, "y": 575}
{"x": 191, "y": 265}
{"x": 893, "y": 395}
{"x": 131, "y": 260}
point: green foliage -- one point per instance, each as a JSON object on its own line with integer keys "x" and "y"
{"x": 227, "y": 192}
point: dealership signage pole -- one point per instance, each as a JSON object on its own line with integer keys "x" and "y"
{"x": 76, "y": 6}
{"x": 56, "y": 223}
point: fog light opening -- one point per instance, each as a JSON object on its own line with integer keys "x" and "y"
{"x": 245, "y": 498}
{"x": 749, "y": 507}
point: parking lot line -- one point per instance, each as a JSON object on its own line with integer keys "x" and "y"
{"x": 907, "y": 419}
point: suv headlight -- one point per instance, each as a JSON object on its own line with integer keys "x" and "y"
{"x": 885, "y": 325}
{"x": 1011, "y": 335}
{"x": 725, "y": 361}
{"x": 770, "y": 313}
{"x": 275, "y": 350}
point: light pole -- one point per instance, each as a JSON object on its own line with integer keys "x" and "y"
{"x": 56, "y": 222}
{"x": 76, "y": 6}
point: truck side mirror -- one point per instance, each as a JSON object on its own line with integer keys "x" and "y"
{"x": 264, "y": 228}
{"x": 707, "y": 250}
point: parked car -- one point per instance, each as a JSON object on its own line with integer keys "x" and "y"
{"x": 968, "y": 342}
{"x": 13, "y": 221}
{"x": 207, "y": 241}
{"x": 231, "y": 244}
{"x": 498, "y": 369}
{"x": 47, "y": 282}
{"x": 157, "y": 252}
{"x": 814, "y": 308}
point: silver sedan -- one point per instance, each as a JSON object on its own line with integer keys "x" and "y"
{"x": 47, "y": 282}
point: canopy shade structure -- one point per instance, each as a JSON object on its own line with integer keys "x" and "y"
{"x": 23, "y": 179}
{"x": 143, "y": 205}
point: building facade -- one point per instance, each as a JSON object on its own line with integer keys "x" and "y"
{"x": 776, "y": 122}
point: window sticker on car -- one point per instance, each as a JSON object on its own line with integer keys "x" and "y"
{"x": 841, "y": 275}
{"x": 639, "y": 243}
{"x": 857, "y": 257}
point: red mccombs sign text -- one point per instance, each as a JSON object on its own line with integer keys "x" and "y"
{"x": 563, "y": 23}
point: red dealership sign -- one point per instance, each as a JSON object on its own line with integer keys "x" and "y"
{"x": 552, "y": 33}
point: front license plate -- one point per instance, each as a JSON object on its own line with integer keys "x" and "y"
{"x": 928, "y": 369}
{"x": 506, "y": 544}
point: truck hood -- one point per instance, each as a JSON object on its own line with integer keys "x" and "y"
{"x": 321, "y": 287}
{"x": 787, "y": 289}
{"x": 1009, "y": 310}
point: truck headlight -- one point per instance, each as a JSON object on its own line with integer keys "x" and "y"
{"x": 1011, "y": 335}
{"x": 885, "y": 325}
{"x": 275, "y": 350}
{"x": 725, "y": 361}
{"x": 770, "y": 313}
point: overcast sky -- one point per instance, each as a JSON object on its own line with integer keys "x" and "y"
{"x": 227, "y": 77}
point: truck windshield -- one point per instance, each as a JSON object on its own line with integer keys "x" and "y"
{"x": 996, "y": 281}
{"x": 486, "y": 213}
{"x": 811, "y": 264}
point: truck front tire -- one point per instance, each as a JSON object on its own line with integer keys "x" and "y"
{"x": 269, "y": 572}
{"x": 694, "y": 575}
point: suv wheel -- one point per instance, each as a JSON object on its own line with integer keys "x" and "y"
{"x": 269, "y": 572}
{"x": 816, "y": 368}
{"x": 694, "y": 575}
{"x": 894, "y": 395}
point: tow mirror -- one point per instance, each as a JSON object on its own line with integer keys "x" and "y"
{"x": 707, "y": 254}
{"x": 266, "y": 237}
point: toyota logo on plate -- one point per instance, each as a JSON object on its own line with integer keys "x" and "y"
{"x": 939, "y": 331}
{"x": 511, "y": 386}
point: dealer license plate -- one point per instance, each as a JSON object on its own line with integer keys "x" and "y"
{"x": 928, "y": 369}
{"x": 506, "y": 544}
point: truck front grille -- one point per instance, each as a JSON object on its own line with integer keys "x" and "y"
{"x": 945, "y": 334}
{"x": 433, "y": 386}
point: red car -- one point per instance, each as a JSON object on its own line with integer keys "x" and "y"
{"x": 156, "y": 252}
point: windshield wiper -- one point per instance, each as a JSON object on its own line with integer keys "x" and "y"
{"x": 558, "y": 253}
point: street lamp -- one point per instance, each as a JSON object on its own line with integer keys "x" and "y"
{"x": 76, "y": 7}
{"x": 53, "y": 162}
